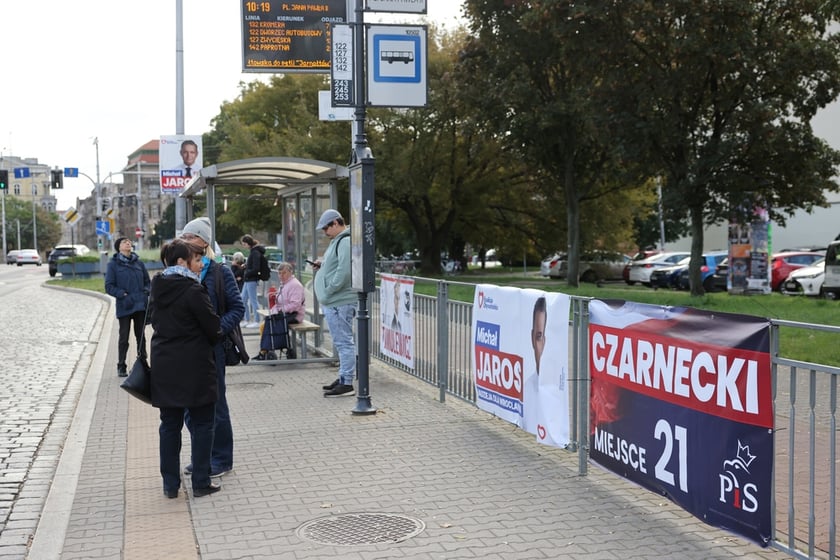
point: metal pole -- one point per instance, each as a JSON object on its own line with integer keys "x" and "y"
{"x": 360, "y": 153}
{"x": 34, "y": 220}
{"x": 3, "y": 202}
{"x": 140, "y": 206}
{"x": 180, "y": 203}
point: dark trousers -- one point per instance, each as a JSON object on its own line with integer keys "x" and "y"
{"x": 201, "y": 437}
{"x": 222, "y": 456}
{"x": 138, "y": 318}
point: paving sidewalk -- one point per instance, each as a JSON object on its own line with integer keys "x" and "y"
{"x": 418, "y": 479}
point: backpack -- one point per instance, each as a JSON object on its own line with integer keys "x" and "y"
{"x": 265, "y": 271}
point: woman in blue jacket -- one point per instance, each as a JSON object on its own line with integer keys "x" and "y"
{"x": 127, "y": 280}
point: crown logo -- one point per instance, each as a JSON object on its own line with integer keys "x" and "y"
{"x": 744, "y": 455}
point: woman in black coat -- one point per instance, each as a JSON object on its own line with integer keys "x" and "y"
{"x": 186, "y": 328}
{"x": 127, "y": 280}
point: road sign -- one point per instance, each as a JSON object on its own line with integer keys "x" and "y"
{"x": 71, "y": 171}
{"x": 343, "y": 88}
{"x": 103, "y": 227}
{"x": 71, "y": 216}
{"x": 396, "y": 66}
{"x": 21, "y": 172}
{"x": 404, "y": 6}
{"x": 328, "y": 112}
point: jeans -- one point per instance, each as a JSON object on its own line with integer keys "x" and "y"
{"x": 222, "y": 455}
{"x": 201, "y": 434}
{"x": 138, "y": 318}
{"x": 340, "y": 322}
{"x": 249, "y": 298}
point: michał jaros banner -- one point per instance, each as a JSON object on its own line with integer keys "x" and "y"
{"x": 681, "y": 403}
{"x": 521, "y": 359}
{"x": 396, "y": 294}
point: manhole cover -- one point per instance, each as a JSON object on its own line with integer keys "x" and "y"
{"x": 248, "y": 386}
{"x": 355, "y": 529}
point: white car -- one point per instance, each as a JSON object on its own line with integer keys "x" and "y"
{"x": 28, "y": 256}
{"x": 640, "y": 271}
{"x": 806, "y": 281}
{"x": 594, "y": 266}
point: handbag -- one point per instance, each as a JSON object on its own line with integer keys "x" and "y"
{"x": 233, "y": 343}
{"x": 139, "y": 380}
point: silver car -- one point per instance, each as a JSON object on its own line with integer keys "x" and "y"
{"x": 595, "y": 266}
{"x": 640, "y": 271}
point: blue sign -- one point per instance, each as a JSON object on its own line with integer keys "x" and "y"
{"x": 103, "y": 227}
{"x": 21, "y": 172}
{"x": 71, "y": 171}
{"x": 397, "y": 59}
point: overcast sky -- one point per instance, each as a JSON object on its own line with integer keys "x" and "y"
{"x": 81, "y": 69}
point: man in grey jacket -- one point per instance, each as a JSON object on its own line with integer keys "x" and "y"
{"x": 338, "y": 300}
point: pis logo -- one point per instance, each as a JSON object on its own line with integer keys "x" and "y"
{"x": 732, "y": 489}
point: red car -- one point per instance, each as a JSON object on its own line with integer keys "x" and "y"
{"x": 782, "y": 264}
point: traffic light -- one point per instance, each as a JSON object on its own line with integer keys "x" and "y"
{"x": 4, "y": 179}
{"x": 57, "y": 179}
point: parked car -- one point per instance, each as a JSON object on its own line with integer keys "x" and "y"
{"x": 720, "y": 275}
{"x": 625, "y": 274}
{"x": 782, "y": 264}
{"x": 707, "y": 272}
{"x": 11, "y": 256}
{"x": 831, "y": 283}
{"x": 62, "y": 251}
{"x": 595, "y": 266}
{"x": 667, "y": 276}
{"x": 640, "y": 271}
{"x": 806, "y": 281}
{"x": 28, "y": 256}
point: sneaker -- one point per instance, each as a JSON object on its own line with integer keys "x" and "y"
{"x": 188, "y": 469}
{"x": 121, "y": 371}
{"x": 221, "y": 473}
{"x": 332, "y": 385}
{"x": 341, "y": 391}
{"x": 253, "y": 325}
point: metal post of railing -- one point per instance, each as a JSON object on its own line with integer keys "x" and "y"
{"x": 443, "y": 338}
{"x": 582, "y": 375}
{"x": 573, "y": 384}
{"x": 774, "y": 380}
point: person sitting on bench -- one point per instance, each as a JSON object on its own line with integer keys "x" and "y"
{"x": 288, "y": 308}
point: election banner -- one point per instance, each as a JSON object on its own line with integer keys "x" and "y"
{"x": 520, "y": 359}
{"x": 180, "y": 159}
{"x": 681, "y": 403}
{"x": 396, "y": 297}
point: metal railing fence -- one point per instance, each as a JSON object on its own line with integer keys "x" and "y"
{"x": 805, "y": 498}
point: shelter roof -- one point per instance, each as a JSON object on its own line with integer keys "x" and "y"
{"x": 284, "y": 174}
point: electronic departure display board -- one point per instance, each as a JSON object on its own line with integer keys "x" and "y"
{"x": 289, "y": 36}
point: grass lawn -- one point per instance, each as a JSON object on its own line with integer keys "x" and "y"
{"x": 800, "y": 344}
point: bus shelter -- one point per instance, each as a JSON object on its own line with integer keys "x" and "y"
{"x": 301, "y": 188}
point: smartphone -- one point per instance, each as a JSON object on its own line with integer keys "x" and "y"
{"x": 313, "y": 263}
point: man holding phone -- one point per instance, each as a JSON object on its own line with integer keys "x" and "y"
{"x": 338, "y": 300}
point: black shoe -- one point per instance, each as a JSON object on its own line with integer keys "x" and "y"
{"x": 332, "y": 385}
{"x": 262, "y": 357}
{"x": 121, "y": 371}
{"x": 341, "y": 391}
{"x": 171, "y": 494}
{"x": 212, "y": 488}
{"x": 188, "y": 469}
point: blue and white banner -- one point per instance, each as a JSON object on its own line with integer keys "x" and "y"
{"x": 521, "y": 359}
{"x": 681, "y": 403}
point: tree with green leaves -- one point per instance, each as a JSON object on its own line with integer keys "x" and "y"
{"x": 19, "y": 222}
{"x": 534, "y": 72}
{"x": 719, "y": 97}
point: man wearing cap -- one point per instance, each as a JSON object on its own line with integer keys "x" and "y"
{"x": 338, "y": 300}
{"x": 127, "y": 281}
{"x": 199, "y": 229}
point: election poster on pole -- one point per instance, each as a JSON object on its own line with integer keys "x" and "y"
{"x": 396, "y": 294}
{"x": 681, "y": 403}
{"x": 521, "y": 359}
